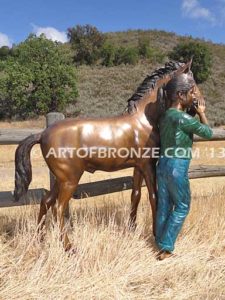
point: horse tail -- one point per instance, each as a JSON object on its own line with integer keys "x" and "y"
{"x": 23, "y": 172}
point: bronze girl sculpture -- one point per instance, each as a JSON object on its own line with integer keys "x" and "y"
{"x": 176, "y": 136}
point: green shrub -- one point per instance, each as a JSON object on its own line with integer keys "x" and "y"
{"x": 126, "y": 55}
{"x": 108, "y": 54}
{"x": 87, "y": 42}
{"x": 154, "y": 55}
{"x": 202, "y": 58}
{"x": 114, "y": 56}
{"x": 4, "y": 52}
{"x": 37, "y": 80}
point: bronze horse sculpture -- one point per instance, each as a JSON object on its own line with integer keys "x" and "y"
{"x": 135, "y": 128}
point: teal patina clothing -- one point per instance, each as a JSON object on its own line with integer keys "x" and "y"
{"x": 176, "y": 133}
{"x": 174, "y": 197}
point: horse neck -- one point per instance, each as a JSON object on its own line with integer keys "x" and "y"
{"x": 149, "y": 106}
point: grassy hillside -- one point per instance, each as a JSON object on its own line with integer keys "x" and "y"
{"x": 104, "y": 91}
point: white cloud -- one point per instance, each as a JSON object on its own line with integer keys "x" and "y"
{"x": 51, "y": 33}
{"x": 193, "y": 9}
{"x": 5, "y": 40}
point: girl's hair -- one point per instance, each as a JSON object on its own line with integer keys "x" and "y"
{"x": 181, "y": 83}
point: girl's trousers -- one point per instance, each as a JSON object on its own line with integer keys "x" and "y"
{"x": 173, "y": 200}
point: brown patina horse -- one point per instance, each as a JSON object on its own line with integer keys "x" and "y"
{"x": 135, "y": 128}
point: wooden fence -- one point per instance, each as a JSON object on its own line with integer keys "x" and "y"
{"x": 14, "y": 136}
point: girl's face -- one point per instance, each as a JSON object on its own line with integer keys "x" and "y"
{"x": 186, "y": 99}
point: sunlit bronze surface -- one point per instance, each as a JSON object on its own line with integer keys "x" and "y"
{"x": 135, "y": 128}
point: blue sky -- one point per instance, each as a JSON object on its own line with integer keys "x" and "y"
{"x": 199, "y": 18}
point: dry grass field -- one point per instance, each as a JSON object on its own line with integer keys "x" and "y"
{"x": 111, "y": 262}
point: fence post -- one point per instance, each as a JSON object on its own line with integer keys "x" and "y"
{"x": 52, "y": 118}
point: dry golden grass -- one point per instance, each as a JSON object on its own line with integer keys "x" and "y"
{"x": 39, "y": 122}
{"x": 111, "y": 262}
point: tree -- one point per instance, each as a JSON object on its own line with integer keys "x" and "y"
{"x": 108, "y": 53}
{"x": 202, "y": 58}
{"x": 114, "y": 56}
{"x": 126, "y": 55}
{"x": 14, "y": 88}
{"x": 4, "y": 52}
{"x": 86, "y": 42}
{"x": 37, "y": 80}
{"x": 147, "y": 52}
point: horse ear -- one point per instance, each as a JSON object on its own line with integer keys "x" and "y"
{"x": 189, "y": 65}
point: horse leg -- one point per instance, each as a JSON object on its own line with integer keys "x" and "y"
{"x": 150, "y": 179}
{"x": 67, "y": 213}
{"x": 66, "y": 190}
{"x": 48, "y": 200}
{"x": 54, "y": 212}
{"x": 135, "y": 197}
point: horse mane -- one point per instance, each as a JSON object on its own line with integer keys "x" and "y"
{"x": 150, "y": 82}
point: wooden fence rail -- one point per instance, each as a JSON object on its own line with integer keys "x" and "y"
{"x": 14, "y": 136}
{"x": 106, "y": 186}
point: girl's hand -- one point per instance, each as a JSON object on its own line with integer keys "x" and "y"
{"x": 200, "y": 109}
